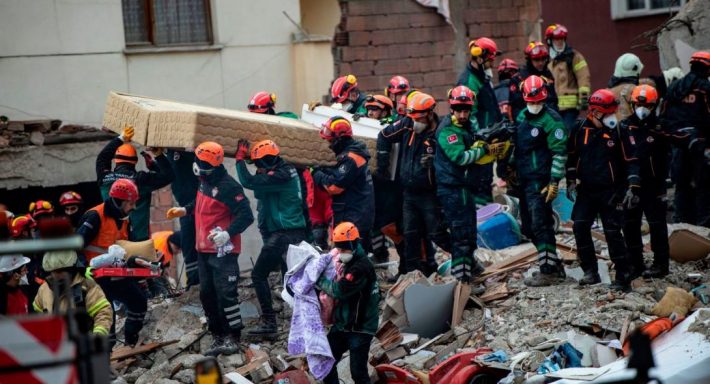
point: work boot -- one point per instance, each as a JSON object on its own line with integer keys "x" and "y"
{"x": 622, "y": 282}
{"x": 214, "y": 348}
{"x": 546, "y": 276}
{"x": 477, "y": 269}
{"x": 230, "y": 345}
{"x": 637, "y": 271}
{"x": 267, "y": 329}
{"x": 590, "y": 278}
{"x": 656, "y": 272}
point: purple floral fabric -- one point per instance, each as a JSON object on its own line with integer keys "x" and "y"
{"x": 307, "y": 334}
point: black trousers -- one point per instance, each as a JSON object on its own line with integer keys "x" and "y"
{"x": 655, "y": 210}
{"x": 537, "y": 217}
{"x": 219, "y": 277}
{"x": 272, "y": 258}
{"x": 606, "y": 203}
{"x": 129, "y": 292}
{"x": 189, "y": 253}
{"x": 423, "y": 221}
{"x": 460, "y": 212}
{"x": 359, "y": 346}
{"x": 388, "y": 209}
{"x": 691, "y": 175}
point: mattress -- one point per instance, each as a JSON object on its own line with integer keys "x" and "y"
{"x": 171, "y": 124}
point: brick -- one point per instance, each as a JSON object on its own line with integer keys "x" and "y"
{"x": 373, "y": 84}
{"x": 362, "y": 68}
{"x": 445, "y": 78}
{"x": 428, "y": 19}
{"x": 343, "y": 69}
{"x": 479, "y": 15}
{"x": 379, "y": 7}
{"x": 507, "y": 14}
{"x": 480, "y": 30}
{"x": 359, "y": 38}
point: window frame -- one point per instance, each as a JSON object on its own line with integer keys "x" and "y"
{"x": 619, "y": 10}
{"x": 150, "y": 26}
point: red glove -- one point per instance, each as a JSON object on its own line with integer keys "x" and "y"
{"x": 242, "y": 150}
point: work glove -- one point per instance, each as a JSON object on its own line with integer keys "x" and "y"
{"x": 127, "y": 134}
{"x": 89, "y": 273}
{"x": 148, "y": 159}
{"x": 583, "y": 103}
{"x": 357, "y": 116}
{"x": 219, "y": 238}
{"x": 571, "y": 189}
{"x": 242, "y": 150}
{"x": 496, "y": 149}
{"x": 550, "y": 192}
{"x": 313, "y": 104}
{"x": 427, "y": 160}
{"x": 631, "y": 199}
{"x": 176, "y": 213}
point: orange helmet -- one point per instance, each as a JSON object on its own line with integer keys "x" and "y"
{"x": 536, "y": 50}
{"x": 21, "y": 224}
{"x": 40, "y": 207}
{"x": 419, "y": 105}
{"x": 461, "y": 95}
{"x": 70, "y": 198}
{"x": 397, "y": 85}
{"x": 644, "y": 95}
{"x": 508, "y": 66}
{"x": 261, "y": 102}
{"x": 604, "y": 101}
{"x": 211, "y": 153}
{"x": 124, "y": 189}
{"x": 379, "y": 102}
{"x": 701, "y": 57}
{"x": 345, "y": 232}
{"x": 556, "y": 31}
{"x": 335, "y": 127}
{"x": 483, "y": 46}
{"x": 341, "y": 88}
{"x": 264, "y": 148}
{"x": 534, "y": 89}
{"x": 126, "y": 153}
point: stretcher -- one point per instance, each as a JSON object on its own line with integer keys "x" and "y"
{"x": 125, "y": 272}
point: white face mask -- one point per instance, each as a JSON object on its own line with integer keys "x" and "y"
{"x": 489, "y": 73}
{"x": 345, "y": 257}
{"x": 535, "y": 108}
{"x": 23, "y": 280}
{"x": 610, "y": 121}
{"x": 642, "y": 112}
{"x": 419, "y": 127}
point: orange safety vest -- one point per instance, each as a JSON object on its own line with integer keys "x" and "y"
{"x": 160, "y": 241}
{"x": 107, "y": 236}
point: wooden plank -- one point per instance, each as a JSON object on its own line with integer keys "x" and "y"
{"x": 123, "y": 352}
{"x": 461, "y": 294}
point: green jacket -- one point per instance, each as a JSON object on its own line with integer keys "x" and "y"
{"x": 278, "y": 195}
{"x": 454, "y": 158}
{"x": 357, "y": 295}
{"x": 289, "y": 115}
{"x": 486, "y": 108}
{"x": 540, "y": 147}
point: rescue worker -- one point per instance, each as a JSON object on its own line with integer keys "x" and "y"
{"x": 396, "y": 88}
{"x": 277, "y": 189}
{"x": 540, "y": 152}
{"x": 607, "y": 182}
{"x": 685, "y": 115}
{"x": 627, "y": 72}
{"x": 13, "y": 274}
{"x": 184, "y": 189}
{"x": 21, "y": 227}
{"x": 421, "y": 211}
{"x": 507, "y": 90}
{"x": 477, "y": 77}
{"x": 456, "y": 179}
{"x": 41, "y": 209}
{"x": 72, "y": 203}
{"x": 167, "y": 245}
{"x": 380, "y": 108}
{"x": 537, "y": 58}
{"x": 349, "y": 182}
{"x": 125, "y": 158}
{"x": 651, "y": 148}
{"x": 222, "y": 213}
{"x": 67, "y": 284}
{"x": 356, "y": 312}
{"x": 345, "y": 91}
{"x": 403, "y": 100}
{"x": 265, "y": 102}
{"x": 101, "y": 226}
{"x": 570, "y": 72}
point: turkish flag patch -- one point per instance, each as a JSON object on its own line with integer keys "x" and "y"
{"x": 349, "y": 277}
{"x": 452, "y": 139}
{"x": 239, "y": 197}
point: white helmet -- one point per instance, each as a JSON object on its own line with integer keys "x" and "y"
{"x": 12, "y": 262}
{"x": 627, "y": 65}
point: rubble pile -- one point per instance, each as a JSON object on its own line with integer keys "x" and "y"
{"x": 45, "y": 132}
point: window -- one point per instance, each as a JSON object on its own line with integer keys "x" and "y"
{"x": 166, "y": 22}
{"x": 621, "y": 9}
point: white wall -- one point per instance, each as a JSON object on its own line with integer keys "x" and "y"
{"x": 60, "y": 58}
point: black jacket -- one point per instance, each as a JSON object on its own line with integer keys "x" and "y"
{"x": 486, "y": 107}
{"x": 412, "y": 146}
{"x": 185, "y": 185}
{"x": 685, "y": 113}
{"x": 510, "y": 97}
{"x": 650, "y": 146}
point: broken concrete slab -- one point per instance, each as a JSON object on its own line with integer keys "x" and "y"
{"x": 428, "y": 308}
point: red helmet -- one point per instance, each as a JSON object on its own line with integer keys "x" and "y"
{"x": 211, "y": 153}
{"x": 461, "y": 95}
{"x": 397, "y": 85}
{"x": 380, "y": 102}
{"x": 124, "y": 189}
{"x": 604, "y": 101}
{"x": 644, "y": 94}
{"x": 21, "y": 224}
{"x": 261, "y": 102}
{"x": 556, "y": 31}
{"x": 701, "y": 57}
{"x": 483, "y": 46}
{"x": 508, "y": 66}
{"x": 420, "y": 105}
{"x": 536, "y": 50}
{"x": 534, "y": 89}
{"x": 41, "y": 207}
{"x": 340, "y": 90}
{"x": 70, "y": 198}
{"x": 335, "y": 127}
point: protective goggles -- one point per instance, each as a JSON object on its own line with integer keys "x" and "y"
{"x": 42, "y": 204}
{"x": 397, "y": 88}
{"x": 460, "y": 107}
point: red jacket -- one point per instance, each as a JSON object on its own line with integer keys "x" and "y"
{"x": 319, "y": 202}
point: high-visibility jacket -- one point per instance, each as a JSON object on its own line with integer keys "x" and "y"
{"x": 107, "y": 235}
{"x": 162, "y": 246}
{"x": 572, "y": 78}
